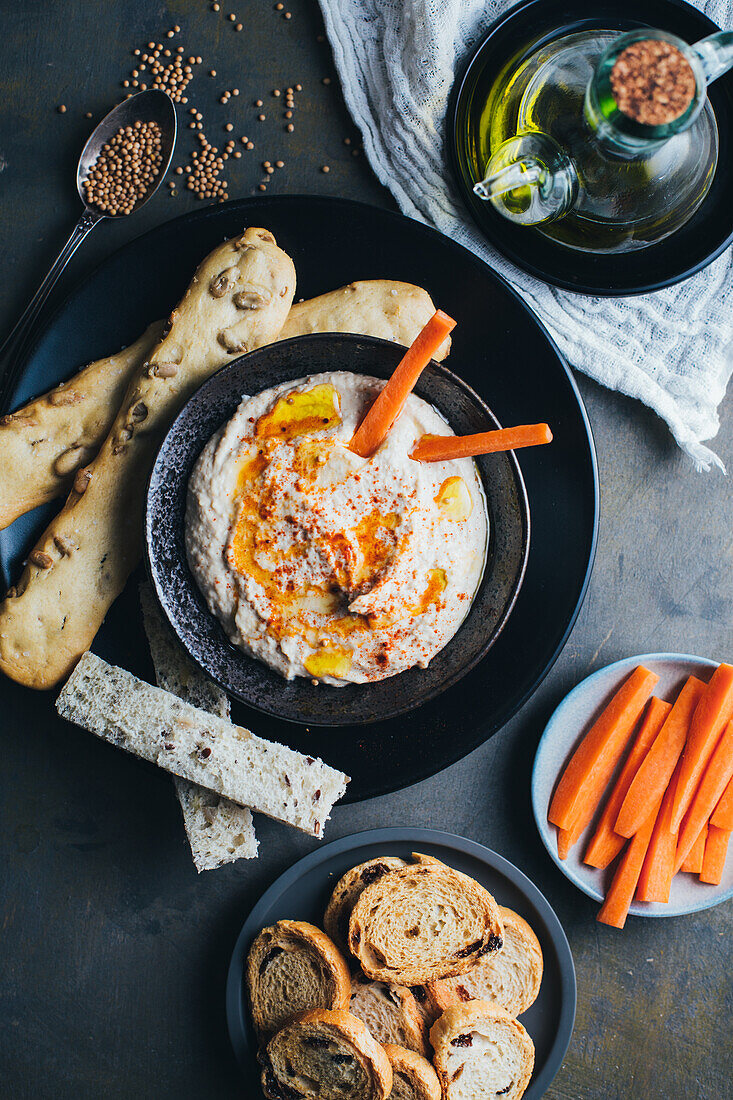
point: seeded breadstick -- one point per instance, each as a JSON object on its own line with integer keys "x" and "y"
{"x": 374, "y": 307}
{"x": 198, "y": 746}
{"x": 238, "y": 300}
{"x": 218, "y": 830}
{"x": 43, "y": 444}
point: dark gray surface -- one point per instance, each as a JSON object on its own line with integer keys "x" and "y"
{"x": 114, "y": 952}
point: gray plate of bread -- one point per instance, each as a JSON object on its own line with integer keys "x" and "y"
{"x": 403, "y": 963}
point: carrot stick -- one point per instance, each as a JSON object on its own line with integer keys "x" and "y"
{"x": 655, "y": 880}
{"x": 592, "y": 764}
{"x": 716, "y": 778}
{"x": 621, "y": 891}
{"x": 565, "y": 841}
{"x": 606, "y": 843}
{"x": 694, "y": 859}
{"x": 443, "y": 448}
{"x": 373, "y": 429}
{"x": 723, "y": 814}
{"x": 655, "y": 771}
{"x": 716, "y": 851}
{"x": 713, "y": 715}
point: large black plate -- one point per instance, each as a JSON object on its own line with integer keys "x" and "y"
{"x": 692, "y": 247}
{"x": 301, "y": 893}
{"x": 501, "y": 350}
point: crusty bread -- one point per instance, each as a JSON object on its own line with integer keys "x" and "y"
{"x": 238, "y": 300}
{"x": 44, "y": 443}
{"x": 373, "y": 307}
{"x": 219, "y": 831}
{"x": 413, "y": 1077}
{"x": 207, "y": 750}
{"x": 509, "y": 978}
{"x": 423, "y": 922}
{"x": 389, "y": 1011}
{"x": 347, "y": 891}
{"x": 481, "y": 1052}
{"x": 325, "y": 1055}
{"x": 293, "y": 967}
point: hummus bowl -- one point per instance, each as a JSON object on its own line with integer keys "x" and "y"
{"x": 207, "y": 567}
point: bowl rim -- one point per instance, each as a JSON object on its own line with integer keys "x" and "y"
{"x": 150, "y": 547}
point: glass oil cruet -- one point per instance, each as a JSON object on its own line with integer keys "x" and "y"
{"x": 604, "y": 142}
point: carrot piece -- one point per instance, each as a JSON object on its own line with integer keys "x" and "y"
{"x": 620, "y": 894}
{"x": 716, "y": 851}
{"x": 657, "y": 767}
{"x": 592, "y": 764}
{"x": 713, "y": 715}
{"x": 605, "y": 844}
{"x": 693, "y": 861}
{"x": 389, "y": 403}
{"x": 723, "y": 816}
{"x": 443, "y": 448}
{"x": 655, "y": 880}
{"x": 565, "y": 841}
{"x": 716, "y": 778}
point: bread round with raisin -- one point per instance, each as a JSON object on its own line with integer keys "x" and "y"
{"x": 510, "y": 978}
{"x": 325, "y": 1053}
{"x": 292, "y": 967}
{"x": 347, "y": 892}
{"x": 413, "y": 1076}
{"x": 389, "y": 1011}
{"x": 481, "y": 1052}
{"x": 423, "y": 922}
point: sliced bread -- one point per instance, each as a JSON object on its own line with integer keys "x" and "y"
{"x": 325, "y": 1055}
{"x": 219, "y": 831}
{"x": 346, "y": 894}
{"x": 481, "y": 1052}
{"x": 390, "y": 1012}
{"x": 207, "y": 750}
{"x": 423, "y": 922}
{"x": 509, "y": 978}
{"x": 413, "y": 1077}
{"x": 293, "y": 967}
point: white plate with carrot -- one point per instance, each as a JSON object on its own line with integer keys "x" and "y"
{"x": 632, "y": 787}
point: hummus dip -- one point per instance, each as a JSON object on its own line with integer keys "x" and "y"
{"x": 325, "y": 564}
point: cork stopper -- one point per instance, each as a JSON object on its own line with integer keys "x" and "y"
{"x": 652, "y": 82}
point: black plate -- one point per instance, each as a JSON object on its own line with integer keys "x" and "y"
{"x": 302, "y": 892}
{"x": 499, "y": 348}
{"x": 252, "y": 681}
{"x": 691, "y": 248}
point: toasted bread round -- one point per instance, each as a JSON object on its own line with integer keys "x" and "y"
{"x": 325, "y": 1055}
{"x": 390, "y": 1012}
{"x": 292, "y": 967}
{"x": 481, "y": 1052}
{"x": 421, "y": 923}
{"x": 509, "y": 978}
{"x": 413, "y": 1076}
{"x": 346, "y": 894}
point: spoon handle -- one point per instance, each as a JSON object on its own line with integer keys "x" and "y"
{"x": 15, "y": 342}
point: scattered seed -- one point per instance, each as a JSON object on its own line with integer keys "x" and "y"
{"x": 61, "y": 108}
{"x": 262, "y": 117}
{"x": 326, "y": 80}
{"x": 228, "y": 127}
{"x": 250, "y": 145}
{"x": 287, "y": 15}
{"x": 288, "y": 114}
{"x": 325, "y": 168}
{"x": 238, "y": 27}
{"x": 258, "y": 103}
{"x": 88, "y": 114}
{"x": 262, "y": 187}
{"x": 290, "y": 127}
{"x": 232, "y": 17}
{"x": 276, "y": 92}
{"x": 212, "y": 72}
{"x": 279, "y": 163}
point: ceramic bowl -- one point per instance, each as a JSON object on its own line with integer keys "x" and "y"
{"x": 250, "y": 680}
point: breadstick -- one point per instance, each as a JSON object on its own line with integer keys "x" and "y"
{"x": 238, "y": 300}
{"x": 72, "y": 435}
{"x": 43, "y": 444}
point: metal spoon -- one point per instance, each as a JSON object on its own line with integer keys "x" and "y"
{"x": 149, "y": 106}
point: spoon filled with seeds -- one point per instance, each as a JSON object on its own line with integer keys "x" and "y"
{"x": 121, "y": 166}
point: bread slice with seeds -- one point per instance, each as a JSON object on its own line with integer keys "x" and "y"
{"x": 390, "y": 1012}
{"x": 481, "y": 1052}
{"x": 423, "y": 922}
{"x": 413, "y": 1077}
{"x": 219, "y": 831}
{"x": 510, "y": 978}
{"x": 325, "y": 1055}
{"x": 346, "y": 894}
{"x": 293, "y": 967}
{"x": 227, "y": 759}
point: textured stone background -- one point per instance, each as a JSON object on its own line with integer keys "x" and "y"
{"x": 114, "y": 953}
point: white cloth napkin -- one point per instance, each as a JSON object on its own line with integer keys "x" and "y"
{"x": 672, "y": 349}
